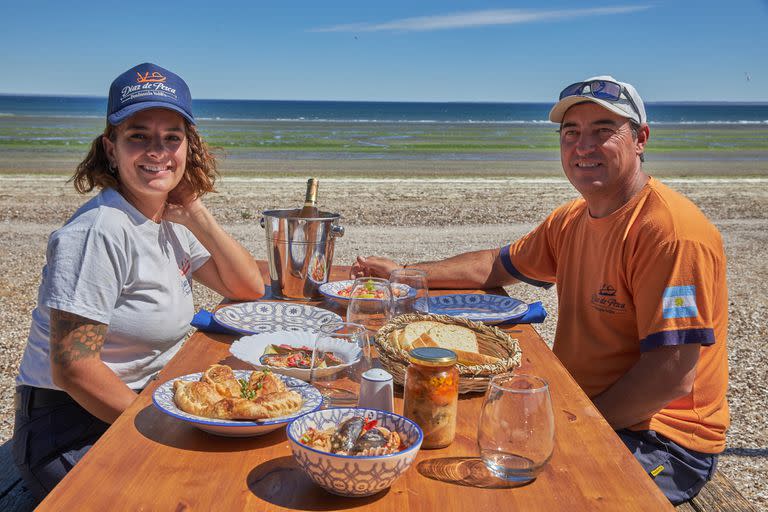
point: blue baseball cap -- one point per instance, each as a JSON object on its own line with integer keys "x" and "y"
{"x": 148, "y": 86}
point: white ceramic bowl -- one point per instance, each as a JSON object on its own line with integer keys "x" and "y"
{"x": 348, "y": 475}
{"x": 251, "y": 348}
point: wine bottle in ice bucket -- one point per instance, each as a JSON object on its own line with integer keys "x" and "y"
{"x": 310, "y": 209}
{"x": 305, "y": 235}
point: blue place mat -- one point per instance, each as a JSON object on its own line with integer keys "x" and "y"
{"x": 204, "y": 320}
{"x": 535, "y": 315}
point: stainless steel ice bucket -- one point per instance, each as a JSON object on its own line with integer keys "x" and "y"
{"x": 300, "y": 251}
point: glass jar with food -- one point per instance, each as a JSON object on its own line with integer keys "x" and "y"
{"x": 432, "y": 394}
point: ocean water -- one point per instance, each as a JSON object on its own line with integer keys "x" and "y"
{"x": 390, "y": 112}
{"x": 344, "y": 130}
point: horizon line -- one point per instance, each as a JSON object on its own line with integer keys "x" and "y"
{"x": 532, "y": 102}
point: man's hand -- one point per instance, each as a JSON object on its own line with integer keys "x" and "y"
{"x": 372, "y": 266}
{"x": 477, "y": 269}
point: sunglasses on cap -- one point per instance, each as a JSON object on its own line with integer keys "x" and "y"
{"x": 602, "y": 90}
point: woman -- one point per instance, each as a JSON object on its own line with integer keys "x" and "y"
{"x": 115, "y": 300}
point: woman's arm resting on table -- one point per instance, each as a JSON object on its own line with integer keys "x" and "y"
{"x": 660, "y": 376}
{"x": 77, "y": 368}
{"x": 477, "y": 269}
{"x": 231, "y": 270}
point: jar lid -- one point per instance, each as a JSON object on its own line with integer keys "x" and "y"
{"x": 432, "y": 356}
{"x": 377, "y": 375}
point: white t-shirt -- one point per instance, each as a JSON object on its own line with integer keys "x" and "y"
{"x": 111, "y": 264}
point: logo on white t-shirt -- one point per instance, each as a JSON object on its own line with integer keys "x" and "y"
{"x": 184, "y": 270}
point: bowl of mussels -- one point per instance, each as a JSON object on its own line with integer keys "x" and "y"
{"x": 352, "y": 451}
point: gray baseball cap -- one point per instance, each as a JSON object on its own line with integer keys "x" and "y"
{"x": 619, "y": 97}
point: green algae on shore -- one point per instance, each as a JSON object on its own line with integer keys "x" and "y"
{"x": 383, "y": 139}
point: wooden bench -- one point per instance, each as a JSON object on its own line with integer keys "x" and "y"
{"x": 14, "y": 496}
{"x": 718, "y": 495}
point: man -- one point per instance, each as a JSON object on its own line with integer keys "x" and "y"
{"x": 642, "y": 298}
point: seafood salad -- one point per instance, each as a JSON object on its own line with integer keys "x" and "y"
{"x": 355, "y": 436}
{"x": 368, "y": 291}
{"x": 286, "y": 356}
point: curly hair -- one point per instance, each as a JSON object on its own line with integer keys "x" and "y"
{"x": 95, "y": 172}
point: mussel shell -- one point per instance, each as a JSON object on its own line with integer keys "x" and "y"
{"x": 345, "y": 437}
{"x": 373, "y": 438}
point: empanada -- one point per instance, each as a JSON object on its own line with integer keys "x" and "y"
{"x": 223, "y": 379}
{"x": 268, "y": 406}
{"x": 195, "y": 397}
{"x": 265, "y": 383}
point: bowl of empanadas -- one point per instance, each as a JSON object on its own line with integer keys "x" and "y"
{"x": 236, "y": 403}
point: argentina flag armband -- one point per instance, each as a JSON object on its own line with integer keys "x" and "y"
{"x": 679, "y": 302}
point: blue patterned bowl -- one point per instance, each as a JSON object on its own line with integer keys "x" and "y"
{"x": 332, "y": 291}
{"x": 348, "y": 475}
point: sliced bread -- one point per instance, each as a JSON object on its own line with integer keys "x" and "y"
{"x": 454, "y": 337}
{"x": 470, "y": 358}
{"x": 463, "y": 357}
{"x": 413, "y": 331}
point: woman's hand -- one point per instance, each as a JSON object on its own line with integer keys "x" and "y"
{"x": 231, "y": 270}
{"x": 372, "y": 266}
{"x": 182, "y": 205}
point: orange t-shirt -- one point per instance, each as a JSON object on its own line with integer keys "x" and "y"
{"x": 650, "y": 274}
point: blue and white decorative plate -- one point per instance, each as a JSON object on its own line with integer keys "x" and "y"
{"x": 491, "y": 309}
{"x": 259, "y": 317}
{"x": 163, "y": 400}
{"x": 332, "y": 291}
{"x": 350, "y": 475}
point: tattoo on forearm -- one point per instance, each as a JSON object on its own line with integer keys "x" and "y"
{"x": 74, "y": 337}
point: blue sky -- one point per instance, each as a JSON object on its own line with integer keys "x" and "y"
{"x": 674, "y": 50}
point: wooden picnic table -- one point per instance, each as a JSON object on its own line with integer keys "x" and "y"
{"x": 148, "y": 460}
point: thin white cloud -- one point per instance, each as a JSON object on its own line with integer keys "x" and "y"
{"x": 480, "y": 19}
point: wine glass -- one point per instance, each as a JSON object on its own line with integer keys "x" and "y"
{"x": 370, "y": 303}
{"x": 417, "y": 298}
{"x": 338, "y": 376}
{"x": 516, "y": 434}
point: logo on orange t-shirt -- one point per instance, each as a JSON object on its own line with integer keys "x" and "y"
{"x": 605, "y": 300}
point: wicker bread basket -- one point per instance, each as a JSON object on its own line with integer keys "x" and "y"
{"x": 491, "y": 341}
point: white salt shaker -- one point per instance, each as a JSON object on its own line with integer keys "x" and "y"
{"x": 376, "y": 390}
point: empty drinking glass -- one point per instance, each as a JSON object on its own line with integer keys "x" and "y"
{"x": 416, "y": 297}
{"x": 370, "y": 303}
{"x": 338, "y": 376}
{"x": 516, "y": 435}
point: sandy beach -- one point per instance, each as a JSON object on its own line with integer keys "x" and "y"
{"x": 423, "y": 209}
